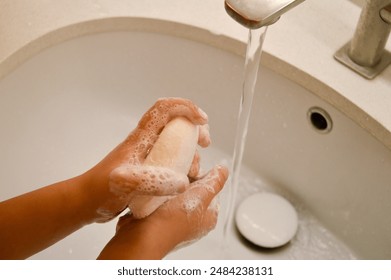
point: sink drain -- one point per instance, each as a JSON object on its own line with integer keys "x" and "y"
{"x": 320, "y": 120}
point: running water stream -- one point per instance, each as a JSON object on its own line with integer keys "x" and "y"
{"x": 253, "y": 57}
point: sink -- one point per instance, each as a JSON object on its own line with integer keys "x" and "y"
{"x": 66, "y": 107}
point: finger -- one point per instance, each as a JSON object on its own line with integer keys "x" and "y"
{"x": 204, "y": 136}
{"x": 147, "y": 180}
{"x": 210, "y": 218}
{"x": 180, "y": 107}
{"x": 166, "y": 109}
{"x": 124, "y": 221}
{"x": 144, "y": 205}
{"x": 195, "y": 167}
{"x": 209, "y": 186}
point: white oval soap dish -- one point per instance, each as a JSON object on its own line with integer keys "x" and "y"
{"x": 267, "y": 220}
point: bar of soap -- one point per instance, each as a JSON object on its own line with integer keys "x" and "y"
{"x": 267, "y": 220}
{"x": 174, "y": 149}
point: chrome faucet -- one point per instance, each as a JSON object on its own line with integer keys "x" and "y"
{"x": 366, "y": 53}
{"x": 254, "y": 14}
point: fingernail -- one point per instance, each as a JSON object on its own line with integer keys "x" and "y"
{"x": 223, "y": 170}
{"x": 203, "y": 114}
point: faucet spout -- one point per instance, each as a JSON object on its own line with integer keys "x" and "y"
{"x": 366, "y": 53}
{"x": 255, "y": 14}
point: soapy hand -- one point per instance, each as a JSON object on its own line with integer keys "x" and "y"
{"x": 104, "y": 191}
{"x": 121, "y": 175}
{"x": 184, "y": 218}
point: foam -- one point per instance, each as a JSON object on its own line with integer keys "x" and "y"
{"x": 129, "y": 180}
{"x": 191, "y": 204}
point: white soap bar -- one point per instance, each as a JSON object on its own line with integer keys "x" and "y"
{"x": 174, "y": 149}
{"x": 267, "y": 220}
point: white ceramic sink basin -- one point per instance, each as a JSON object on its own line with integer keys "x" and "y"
{"x": 67, "y": 107}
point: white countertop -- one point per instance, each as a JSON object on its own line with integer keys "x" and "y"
{"x": 299, "y": 46}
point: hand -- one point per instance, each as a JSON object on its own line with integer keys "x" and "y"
{"x": 184, "y": 218}
{"x": 35, "y": 220}
{"x": 112, "y": 183}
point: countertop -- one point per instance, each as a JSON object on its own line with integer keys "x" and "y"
{"x": 300, "y": 46}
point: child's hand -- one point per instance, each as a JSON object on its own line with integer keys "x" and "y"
{"x": 182, "y": 219}
{"x": 100, "y": 194}
{"x": 117, "y": 178}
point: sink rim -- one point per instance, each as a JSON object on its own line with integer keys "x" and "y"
{"x": 201, "y": 35}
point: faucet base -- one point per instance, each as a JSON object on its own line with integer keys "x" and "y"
{"x": 342, "y": 55}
